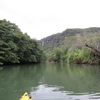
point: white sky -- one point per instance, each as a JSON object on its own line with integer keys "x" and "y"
{"x": 41, "y": 18}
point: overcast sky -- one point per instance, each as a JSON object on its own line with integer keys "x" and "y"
{"x": 41, "y": 18}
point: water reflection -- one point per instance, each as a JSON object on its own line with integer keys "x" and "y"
{"x": 74, "y": 78}
{"x": 15, "y": 80}
{"x": 73, "y": 82}
{"x": 45, "y": 92}
{"x": 48, "y": 93}
{"x": 50, "y": 81}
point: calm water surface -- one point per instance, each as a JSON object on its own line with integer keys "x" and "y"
{"x": 50, "y": 81}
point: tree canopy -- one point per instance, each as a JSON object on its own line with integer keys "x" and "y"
{"x": 17, "y": 47}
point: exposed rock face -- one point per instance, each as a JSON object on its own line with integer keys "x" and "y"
{"x": 57, "y": 38}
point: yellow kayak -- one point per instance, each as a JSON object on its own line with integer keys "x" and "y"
{"x": 25, "y": 97}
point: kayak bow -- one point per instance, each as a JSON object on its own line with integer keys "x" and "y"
{"x": 26, "y": 97}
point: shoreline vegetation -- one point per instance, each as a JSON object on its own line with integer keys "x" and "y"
{"x": 93, "y": 63}
{"x": 76, "y": 46}
{"x": 17, "y": 47}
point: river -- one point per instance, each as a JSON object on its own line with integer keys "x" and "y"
{"x": 50, "y": 81}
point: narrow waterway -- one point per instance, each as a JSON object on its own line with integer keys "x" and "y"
{"x": 50, "y": 81}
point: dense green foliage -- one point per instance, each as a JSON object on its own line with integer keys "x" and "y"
{"x": 77, "y": 46}
{"x": 16, "y": 47}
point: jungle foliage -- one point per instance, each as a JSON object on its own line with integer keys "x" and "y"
{"x": 16, "y": 47}
{"x": 74, "y": 46}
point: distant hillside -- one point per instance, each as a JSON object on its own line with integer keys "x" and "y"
{"x": 54, "y": 40}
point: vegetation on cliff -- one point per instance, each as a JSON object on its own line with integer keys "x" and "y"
{"x": 74, "y": 46}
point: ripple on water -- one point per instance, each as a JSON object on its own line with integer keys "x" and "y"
{"x": 44, "y": 92}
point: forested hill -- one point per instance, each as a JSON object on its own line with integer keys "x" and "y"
{"x": 73, "y": 46}
{"x": 55, "y": 39}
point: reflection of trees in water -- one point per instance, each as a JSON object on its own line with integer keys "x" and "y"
{"x": 14, "y": 81}
{"x": 76, "y": 78}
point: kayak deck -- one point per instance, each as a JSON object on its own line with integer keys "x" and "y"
{"x": 25, "y": 97}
